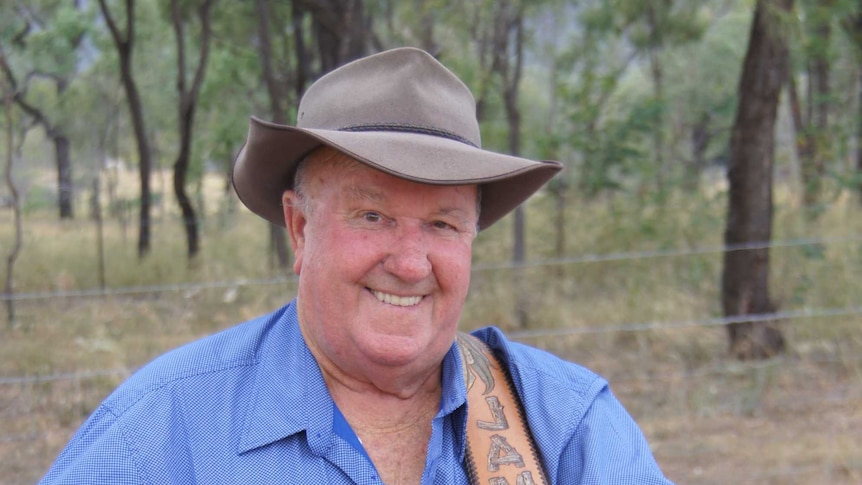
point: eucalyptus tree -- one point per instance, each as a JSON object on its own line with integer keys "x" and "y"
{"x": 745, "y": 277}
{"x": 507, "y": 54}
{"x": 124, "y": 41}
{"x": 8, "y": 95}
{"x": 231, "y": 90}
{"x": 235, "y": 87}
{"x": 286, "y": 63}
{"x": 45, "y": 49}
{"x": 277, "y": 85}
{"x": 187, "y": 104}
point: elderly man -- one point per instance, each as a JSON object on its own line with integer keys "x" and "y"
{"x": 363, "y": 378}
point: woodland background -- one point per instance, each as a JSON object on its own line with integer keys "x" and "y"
{"x": 702, "y": 249}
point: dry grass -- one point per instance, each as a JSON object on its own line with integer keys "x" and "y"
{"x": 794, "y": 419}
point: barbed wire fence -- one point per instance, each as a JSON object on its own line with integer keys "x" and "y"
{"x": 22, "y": 397}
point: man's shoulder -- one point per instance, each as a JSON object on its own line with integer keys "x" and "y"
{"x": 556, "y": 394}
{"x": 539, "y": 374}
{"x": 196, "y": 362}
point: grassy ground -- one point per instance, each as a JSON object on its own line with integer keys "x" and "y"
{"x": 793, "y": 419}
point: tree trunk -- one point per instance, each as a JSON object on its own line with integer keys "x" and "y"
{"x": 125, "y": 47}
{"x": 509, "y": 46}
{"x": 277, "y": 96}
{"x": 187, "y": 103}
{"x": 144, "y": 156}
{"x": 65, "y": 187}
{"x": 519, "y": 242}
{"x": 14, "y": 251}
{"x": 65, "y": 184}
{"x": 185, "y": 119}
{"x": 342, "y": 30}
{"x": 556, "y": 187}
{"x": 181, "y": 166}
{"x": 745, "y": 279}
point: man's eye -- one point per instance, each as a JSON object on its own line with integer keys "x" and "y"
{"x": 442, "y": 225}
{"x": 372, "y": 217}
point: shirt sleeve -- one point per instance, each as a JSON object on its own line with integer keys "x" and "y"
{"x": 99, "y": 453}
{"x": 608, "y": 447}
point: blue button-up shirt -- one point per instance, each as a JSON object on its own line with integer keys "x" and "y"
{"x": 249, "y": 406}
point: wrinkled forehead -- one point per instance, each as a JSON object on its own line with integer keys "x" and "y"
{"x": 326, "y": 165}
{"x": 323, "y": 161}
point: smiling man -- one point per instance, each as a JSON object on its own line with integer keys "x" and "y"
{"x": 363, "y": 377}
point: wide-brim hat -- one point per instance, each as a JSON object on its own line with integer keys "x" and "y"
{"x": 399, "y": 111}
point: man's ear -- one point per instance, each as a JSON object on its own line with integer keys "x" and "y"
{"x": 294, "y": 219}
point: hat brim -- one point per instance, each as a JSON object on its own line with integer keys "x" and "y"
{"x": 265, "y": 166}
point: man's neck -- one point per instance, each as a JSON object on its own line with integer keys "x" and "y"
{"x": 385, "y": 406}
{"x": 394, "y": 429}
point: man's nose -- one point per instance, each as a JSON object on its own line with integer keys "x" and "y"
{"x": 408, "y": 256}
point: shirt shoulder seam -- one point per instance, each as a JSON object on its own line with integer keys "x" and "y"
{"x": 118, "y": 411}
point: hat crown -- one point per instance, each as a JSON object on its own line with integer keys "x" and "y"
{"x": 402, "y": 89}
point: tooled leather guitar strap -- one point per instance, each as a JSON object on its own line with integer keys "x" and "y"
{"x": 500, "y": 447}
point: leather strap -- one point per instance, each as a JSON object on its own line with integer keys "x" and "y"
{"x": 500, "y": 447}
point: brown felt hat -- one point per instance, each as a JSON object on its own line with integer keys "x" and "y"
{"x": 399, "y": 111}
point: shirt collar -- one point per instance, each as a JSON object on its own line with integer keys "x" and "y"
{"x": 289, "y": 394}
{"x": 286, "y": 378}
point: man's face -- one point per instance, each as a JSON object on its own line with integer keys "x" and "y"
{"x": 383, "y": 264}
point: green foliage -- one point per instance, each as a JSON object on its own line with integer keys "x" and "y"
{"x": 655, "y": 24}
{"x": 586, "y": 94}
{"x": 56, "y": 30}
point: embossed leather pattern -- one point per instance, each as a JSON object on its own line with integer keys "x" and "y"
{"x": 500, "y": 447}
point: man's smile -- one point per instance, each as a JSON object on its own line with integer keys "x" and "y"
{"x": 397, "y": 300}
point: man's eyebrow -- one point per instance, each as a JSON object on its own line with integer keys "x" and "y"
{"x": 358, "y": 193}
{"x": 455, "y": 212}
{"x": 462, "y": 216}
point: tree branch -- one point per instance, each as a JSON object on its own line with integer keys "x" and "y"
{"x": 206, "y": 27}
{"x": 112, "y": 25}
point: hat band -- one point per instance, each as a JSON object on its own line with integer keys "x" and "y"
{"x": 403, "y": 128}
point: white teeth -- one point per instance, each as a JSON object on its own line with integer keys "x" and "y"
{"x": 397, "y": 300}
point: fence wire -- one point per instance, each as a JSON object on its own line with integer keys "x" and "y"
{"x": 21, "y": 401}
{"x": 477, "y": 268}
{"x": 30, "y": 432}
